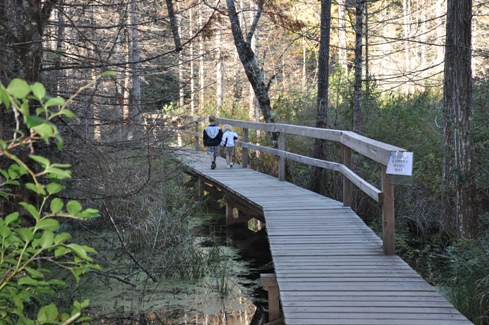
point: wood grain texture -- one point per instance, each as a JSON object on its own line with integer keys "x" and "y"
{"x": 330, "y": 267}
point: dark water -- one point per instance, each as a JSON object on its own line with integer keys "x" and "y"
{"x": 253, "y": 249}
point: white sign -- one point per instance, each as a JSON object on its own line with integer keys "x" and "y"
{"x": 400, "y": 163}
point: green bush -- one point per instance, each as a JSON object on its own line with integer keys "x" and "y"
{"x": 32, "y": 244}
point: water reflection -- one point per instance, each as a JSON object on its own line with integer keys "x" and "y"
{"x": 229, "y": 293}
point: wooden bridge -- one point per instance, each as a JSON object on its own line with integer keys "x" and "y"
{"x": 330, "y": 268}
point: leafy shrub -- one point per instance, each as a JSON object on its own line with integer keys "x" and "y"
{"x": 29, "y": 252}
{"x": 467, "y": 285}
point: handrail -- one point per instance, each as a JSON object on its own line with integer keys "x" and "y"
{"x": 377, "y": 151}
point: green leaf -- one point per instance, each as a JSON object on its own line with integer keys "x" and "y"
{"x": 56, "y": 205}
{"x": 34, "y": 121}
{"x": 37, "y": 188}
{"x": 47, "y": 239}
{"x": 24, "y": 109}
{"x": 4, "y": 99}
{"x": 5, "y": 231}
{"x": 60, "y": 141}
{"x": 40, "y": 110}
{"x": 15, "y": 171}
{"x": 67, "y": 113}
{"x": 11, "y": 218}
{"x": 56, "y": 101}
{"x": 109, "y": 73}
{"x": 47, "y": 314}
{"x": 73, "y": 207}
{"x": 28, "y": 281}
{"x": 18, "y": 88}
{"x": 79, "y": 250}
{"x": 3, "y": 146}
{"x": 25, "y": 234}
{"x": 61, "y": 238}
{"x": 32, "y": 210}
{"x": 57, "y": 282}
{"x": 54, "y": 188}
{"x": 38, "y": 90}
{"x": 40, "y": 159}
{"x": 89, "y": 213}
{"x": 46, "y": 130}
{"x": 58, "y": 173}
{"x": 47, "y": 224}
{"x": 60, "y": 251}
{"x": 35, "y": 274}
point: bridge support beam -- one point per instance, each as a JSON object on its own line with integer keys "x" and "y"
{"x": 269, "y": 283}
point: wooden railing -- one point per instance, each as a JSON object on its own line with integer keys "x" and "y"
{"x": 377, "y": 151}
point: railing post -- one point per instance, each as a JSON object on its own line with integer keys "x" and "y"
{"x": 388, "y": 228}
{"x": 346, "y": 159}
{"x": 244, "y": 152}
{"x": 197, "y": 142}
{"x": 281, "y": 160}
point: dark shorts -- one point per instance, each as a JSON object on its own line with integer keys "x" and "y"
{"x": 214, "y": 150}
{"x": 228, "y": 150}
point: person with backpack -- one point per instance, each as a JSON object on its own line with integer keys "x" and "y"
{"x": 212, "y": 138}
{"x": 227, "y": 142}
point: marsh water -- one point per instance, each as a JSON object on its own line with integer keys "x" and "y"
{"x": 229, "y": 294}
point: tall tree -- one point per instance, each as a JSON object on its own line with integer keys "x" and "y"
{"x": 316, "y": 177}
{"x": 248, "y": 59}
{"x": 357, "y": 86}
{"x": 459, "y": 164}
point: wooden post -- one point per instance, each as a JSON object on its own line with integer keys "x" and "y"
{"x": 244, "y": 152}
{"x": 179, "y": 135}
{"x": 229, "y": 214}
{"x": 346, "y": 159}
{"x": 201, "y": 187}
{"x": 388, "y": 228}
{"x": 281, "y": 160}
{"x": 197, "y": 139}
{"x": 269, "y": 283}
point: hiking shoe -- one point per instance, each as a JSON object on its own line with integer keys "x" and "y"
{"x": 228, "y": 166}
{"x": 213, "y": 165}
{"x": 231, "y": 164}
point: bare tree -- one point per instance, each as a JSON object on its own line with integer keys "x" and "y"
{"x": 459, "y": 163}
{"x": 248, "y": 59}
{"x": 316, "y": 177}
{"x": 357, "y": 86}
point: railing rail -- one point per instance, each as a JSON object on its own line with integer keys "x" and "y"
{"x": 377, "y": 151}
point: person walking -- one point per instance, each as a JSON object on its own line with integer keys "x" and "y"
{"x": 227, "y": 142}
{"x": 212, "y": 138}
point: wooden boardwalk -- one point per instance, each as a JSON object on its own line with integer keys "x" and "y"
{"x": 330, "y": 267}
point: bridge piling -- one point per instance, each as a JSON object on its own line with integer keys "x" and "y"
{"x": 269, "y": 283}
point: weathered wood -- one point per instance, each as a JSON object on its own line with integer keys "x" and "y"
{"x": 347, "y": 161}
{"x": 244, "y": 152}
{"x": 281, "y": 159}
{"x": 388, "y": 229}
{"x": 329, "y": 266}
{"x": 269, "y": 283}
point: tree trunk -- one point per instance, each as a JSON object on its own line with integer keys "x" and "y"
{"x": 357, "y": 86}
{"x": 249, "y": 61}
{"x": 192, "y": 64}
{"x": 181, "y": 82}
{"x": 459, "y": 164}
{"x": 136, "y": 64}
{"x": 201, "y": 59}
{"x": 316, "y": 178}
{"x": 342, "y": 58}
{"x": 219, "y": 63}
